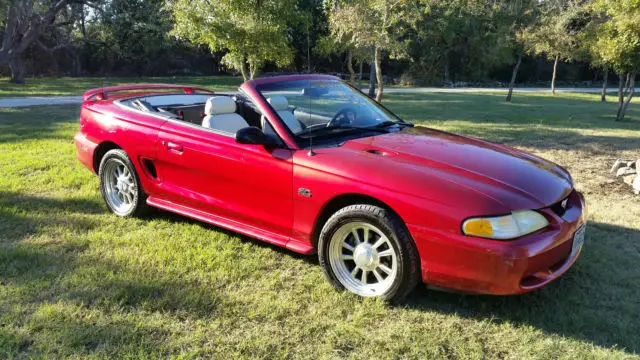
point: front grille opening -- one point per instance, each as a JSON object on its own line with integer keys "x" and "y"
{"x": 558, "y": 209}
{"x": 533, "y": 280}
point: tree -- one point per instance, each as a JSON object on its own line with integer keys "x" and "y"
{"x": 251, "y": 32}
{"x": 305, "y": 32}
{"x": 556, "y": 34}
{"x": 615, "y": 28}
{"x": 371, "y": 24}
{"x": 330, "y": 45}
{"x": 23, "y": 24}
{"x": 451, "y": 40}
{"x": 517, "y": 16}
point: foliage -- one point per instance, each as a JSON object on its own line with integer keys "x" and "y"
{"x": 371, "y": 24}
{"x": 615, "y": 34}
{"x": 425, "y": 40}
{"x": 376, "y": 24}
{"x": 251, "y": 32}
{"x": 556, "y": 33}
{"x": 305, "y": 31}
{"x": 616, "y": 29}
{"x": 452, "y": 37}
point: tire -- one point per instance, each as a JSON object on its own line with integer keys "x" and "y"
{"x": 389, "y": 271}
{"x": 123, "y": 197}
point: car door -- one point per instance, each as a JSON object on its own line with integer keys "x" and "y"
{"x": 209, "y": 171}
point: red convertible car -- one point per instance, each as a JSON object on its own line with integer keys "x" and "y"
{"x": 310, "y": 163}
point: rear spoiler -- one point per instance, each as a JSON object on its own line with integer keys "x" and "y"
{"x": 102, "y": 93}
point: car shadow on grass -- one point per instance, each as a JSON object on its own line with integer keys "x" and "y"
{"x": 591, "y": 302}
{"x": 179, "y": 219}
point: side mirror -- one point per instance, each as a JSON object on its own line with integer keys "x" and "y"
{"x": 253, "y": 135}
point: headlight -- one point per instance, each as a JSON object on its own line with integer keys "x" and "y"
{"x": 517, "y": 224}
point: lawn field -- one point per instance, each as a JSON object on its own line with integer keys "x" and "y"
{"x": 77, "y": 282}
{"x": 67, "y": 86}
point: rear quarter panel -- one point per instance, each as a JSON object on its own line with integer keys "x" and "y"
{"x": 134, "y": 132}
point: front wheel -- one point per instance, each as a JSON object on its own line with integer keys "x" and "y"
{"x": 120, "y": 186}
{"x": 368, "y": 251}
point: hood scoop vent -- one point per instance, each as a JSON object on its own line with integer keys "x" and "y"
{"x": 376, "y": 152}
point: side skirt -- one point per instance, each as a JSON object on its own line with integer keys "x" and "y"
{"x": 232, "y": 225}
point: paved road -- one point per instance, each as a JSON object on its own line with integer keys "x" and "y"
{"x": 37, "y": 101}
{"x": 64, "y": 100}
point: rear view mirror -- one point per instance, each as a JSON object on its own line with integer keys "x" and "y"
{"x": 315, "y": 91}
{"x": 253, "y": 135}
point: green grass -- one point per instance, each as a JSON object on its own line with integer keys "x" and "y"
{"x": 66, "y": 86}
{"x": 78, "y": 282}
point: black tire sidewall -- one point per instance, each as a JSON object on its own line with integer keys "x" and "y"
{"x": 396, "y": 232}
{"x": 139, "y": 200}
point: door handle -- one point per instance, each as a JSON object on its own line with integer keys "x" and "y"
{"x": 174, "y": 147}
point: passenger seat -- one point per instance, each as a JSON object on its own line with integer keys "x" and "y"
{"x": 281, "y": 105}
{"x": 220, "y": 114}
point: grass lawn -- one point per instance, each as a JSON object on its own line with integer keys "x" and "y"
{"x": 76, "y": 281}
{"x": 66, "y": 86}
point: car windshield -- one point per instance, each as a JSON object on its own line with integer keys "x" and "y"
{"x": 326, "y": 108}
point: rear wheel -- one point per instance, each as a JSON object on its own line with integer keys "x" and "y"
{"x": 368, "y": 251}
{"x": 120, "y": 186}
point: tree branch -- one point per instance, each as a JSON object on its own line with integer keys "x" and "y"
{"x": 9, "y": 30}
{"x": 36, "y": 26}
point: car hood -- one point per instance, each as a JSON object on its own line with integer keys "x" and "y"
{"x": 420, "y": 159}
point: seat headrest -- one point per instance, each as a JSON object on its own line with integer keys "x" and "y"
{"x": 218, "y": 105}
{"x": 278, "y": 102}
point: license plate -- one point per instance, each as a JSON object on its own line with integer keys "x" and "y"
{"x": 578, "y": 241}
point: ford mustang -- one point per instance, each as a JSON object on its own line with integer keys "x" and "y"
{"x": 309, "y": 163}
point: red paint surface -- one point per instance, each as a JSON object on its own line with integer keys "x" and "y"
{"x": 431, "y": 179}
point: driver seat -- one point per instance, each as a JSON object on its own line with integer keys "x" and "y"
{"x": 220, "y": 114}
{"x": 281, "y": 105}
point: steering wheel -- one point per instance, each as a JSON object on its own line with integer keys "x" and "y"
{"x": 346, "y": 116}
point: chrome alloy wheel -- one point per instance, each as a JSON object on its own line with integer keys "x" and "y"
{"x": 363, "y": 259}
{"x": 121, "y": 188}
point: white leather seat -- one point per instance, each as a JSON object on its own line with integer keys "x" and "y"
{"x": 281, "y": 105}
{"x": 220, "y": 114}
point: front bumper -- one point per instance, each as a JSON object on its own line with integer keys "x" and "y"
{"x": 475, "y": 265}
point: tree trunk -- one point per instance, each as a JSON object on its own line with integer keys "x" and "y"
{"x": 244, "y": 70}
{"x": 253, "y": 71}
{"x": 626, "y": 83}
{"x": 77, "y": 64}
{"x": 553, "y": 77}
{"x": 83, "y": 26}
{"x": 372, "y": 79}
{"x": 513, "y": 77}
{"x": 620, "y": 89}
{"x": 380, "y": 80}
{"x": 352, "y": 73}
{"x": 17, "y": 71}
{"x": 360, "y": 74}
{"x": 605, "y": 77}
{"x": 446, "y": 68}
{"x": 632, "y": 90}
